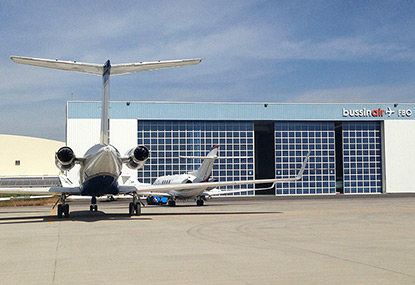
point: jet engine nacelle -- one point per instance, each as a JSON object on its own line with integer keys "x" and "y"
{"x": 65, "y": 158}
{"x": 137, "y": 157}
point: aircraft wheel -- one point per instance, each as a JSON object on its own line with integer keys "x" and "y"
{"x": 60, "y": 211}
{"x": 95, "y": 207}
{"x": 138, "y": 209}
{"x": 149, "y": 200}
{"x": 172, "y": 203}
{"x": 66, "y": 210}
{"x": 91, "y": 208}
{"x": 131, "y": 209}
{"x": 199, "y": 202}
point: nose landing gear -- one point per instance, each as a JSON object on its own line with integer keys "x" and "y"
{"x": 94, "y": 206}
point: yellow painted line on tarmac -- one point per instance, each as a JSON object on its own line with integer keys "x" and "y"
{"x": 51, "y": 215}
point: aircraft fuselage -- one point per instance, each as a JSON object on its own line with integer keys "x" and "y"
{"x": 181, "y": 179}
{"x": 100, "y": 171}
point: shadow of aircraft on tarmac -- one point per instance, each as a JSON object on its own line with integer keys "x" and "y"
{"x": 89, "y": 217}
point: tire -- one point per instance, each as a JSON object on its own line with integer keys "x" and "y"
{"x": 199, "y": 202}
{"x": 95, "y": 207}
{"x": 60, "y": 211}
{"x": 91, "y": 208}
{"x": 172, "y": 203}
{"x": 138, "y": 209}
{"x": 66, "y": 210}
{"x": 150, "y": 200}
{"x": 131, "y": 209}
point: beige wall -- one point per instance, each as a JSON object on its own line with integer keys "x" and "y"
{"x": 36, "y": 156}
{"x": 399, "y": 156}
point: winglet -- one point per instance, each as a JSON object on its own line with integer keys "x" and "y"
{"x": 301, "y": 172}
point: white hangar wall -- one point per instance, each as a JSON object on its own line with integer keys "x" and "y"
{"x": 399, "y": 156}
{"x": 84, "y": 133}
{"x": 123, "y": 135}
{"x": 389, "y": 127}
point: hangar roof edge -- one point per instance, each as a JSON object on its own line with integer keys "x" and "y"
{"x": 169, "y": 110}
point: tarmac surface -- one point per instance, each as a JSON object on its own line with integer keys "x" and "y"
{"x": 260, "y": 240}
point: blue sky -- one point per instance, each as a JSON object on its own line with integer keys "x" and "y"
{"x": 253, "y": 51}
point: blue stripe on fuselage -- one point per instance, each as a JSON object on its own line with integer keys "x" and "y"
{"x": 100, "y": 185}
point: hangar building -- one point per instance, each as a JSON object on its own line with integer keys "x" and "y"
{"x": 28, "y": 156}
{"x": 28, "y": 162}
{"x": 355, "y": 148}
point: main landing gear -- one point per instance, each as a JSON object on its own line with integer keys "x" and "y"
{"x": 135, "y": 206}
{"x": 199, "y": 201}
{"x": 94, "y": 206}
{"x": 63, "y": 208}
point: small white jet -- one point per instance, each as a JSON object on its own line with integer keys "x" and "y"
{"x": 102, "y": 163}
{"x": 201, "y": 175}
{"x": 198, "y": 184}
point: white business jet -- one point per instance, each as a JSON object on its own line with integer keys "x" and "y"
{"x": 201, "y": 175}
{"x": 198, "y": 184}
{"x": 102, "y": 163}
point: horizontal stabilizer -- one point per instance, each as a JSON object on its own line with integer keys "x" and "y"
{"x": 144, "y": 66}
{"x": 198, "y": 157}
{"x": 215, "y": 157}
{"x": 89, "y": 68}
{"x": 98, "y": 69}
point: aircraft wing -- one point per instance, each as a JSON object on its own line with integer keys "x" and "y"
{"x": 142, "y": 189}
{"x": 40, "y": 190}
{"x": 158, "y": 194}
{"x": 218, "y": 192}
{"x": 66, "y": 190}
{"x": 25, "y": 197}
{"x": 166, "y": 188}
{"x": 127, "y": 189}
{"x": 149, "y": 189}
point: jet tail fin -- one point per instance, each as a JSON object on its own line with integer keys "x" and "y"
{"x": 105, "y": 70}
{"x": 205, "y": 169}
